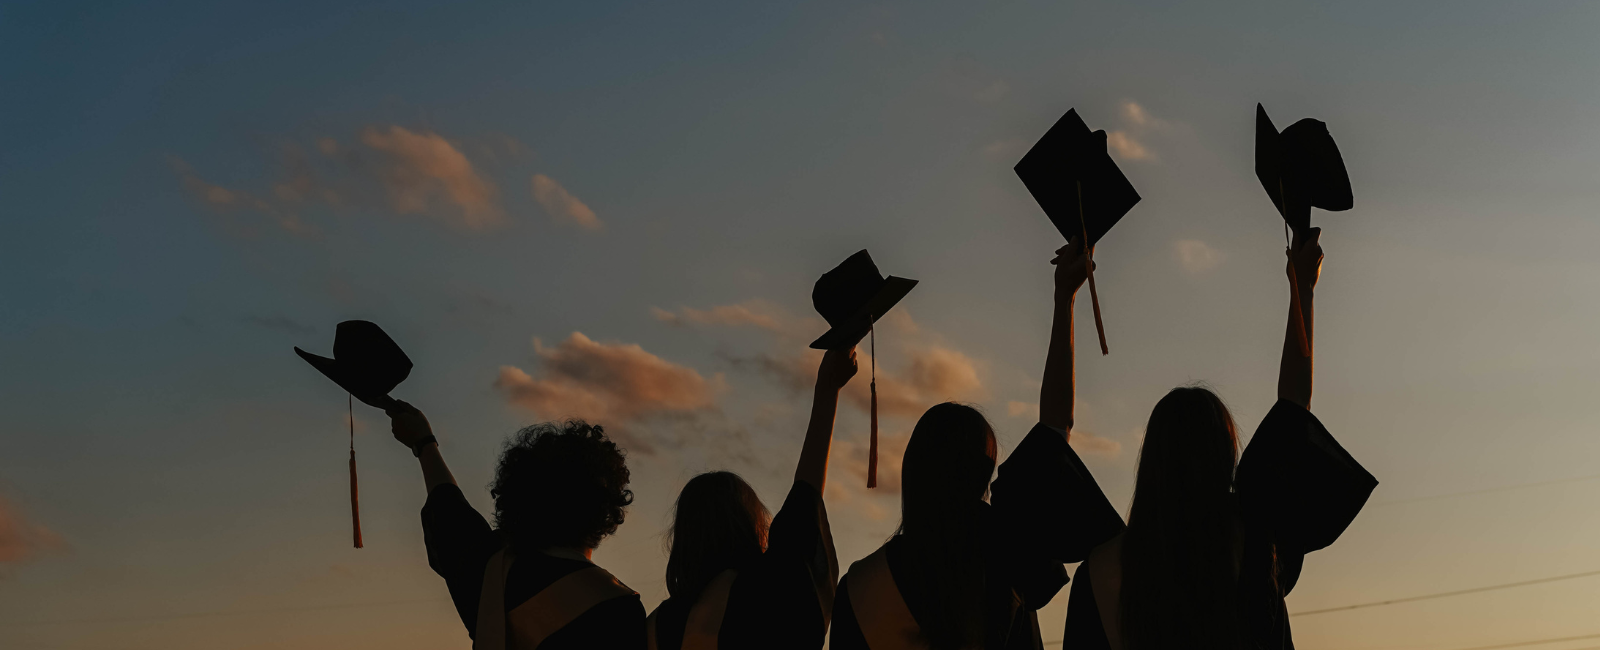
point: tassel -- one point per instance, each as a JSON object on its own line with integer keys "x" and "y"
{"x": 1088, "y": 254}
{"x": 355, "y": 495}
{"x": 872, "y": 445}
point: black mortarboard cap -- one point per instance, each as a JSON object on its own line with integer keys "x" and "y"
{"x": 366, "y": 362}
{"x": 1304, "y": 163}
{"x": 852, "y": 297}
{"x": 1068, "y": 157}
{"x": 1297, "y": 482}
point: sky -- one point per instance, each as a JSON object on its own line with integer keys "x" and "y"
{"x": 616, "y": 211}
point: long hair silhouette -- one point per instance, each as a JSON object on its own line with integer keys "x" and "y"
{"x": 1179, "y": 555}
{"x": 944, "y": 478}
{"x": 718, "y": 523}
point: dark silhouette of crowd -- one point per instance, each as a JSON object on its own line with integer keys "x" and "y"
{"x": 1214, "y": 539}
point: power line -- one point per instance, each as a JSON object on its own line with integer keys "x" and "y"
{"x": 1485, "y": 490}
{"x": 1473, "y": 590}
{"x": 240, "y": 612}
{"x": 1535, "y": 642}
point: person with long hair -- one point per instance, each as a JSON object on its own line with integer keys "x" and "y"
{"x": 738, "y": 577}
{"x": 1214, "y": 540}
{"x": 529, "y": 582}
{"x": 972, "y": 562}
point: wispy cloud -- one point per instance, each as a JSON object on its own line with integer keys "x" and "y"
{"x": 1137, "y": 116}
{"x": 385, "y": 167}
{"x": 754, "y": 313}
{"x": 224, "y": 201}
{"x": 425, "y": 170}
{"x": 1132, "y": 141}
{"x": 613, "y": 384}
{"x": 1196, "y": 256}
{"x": 935, "y": 374}
{"x": 1127, "y": 147}
{"x": 21, "y": 539}
{"x": 562, "y": 205}
{"x": 1007, "y": 151}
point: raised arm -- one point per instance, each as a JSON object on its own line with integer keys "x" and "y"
{"x": 1056, "y": 392}
{"x": 411, "y": 428}
{"x": 1304, "y": 266}
{"x": 838, "y": 366}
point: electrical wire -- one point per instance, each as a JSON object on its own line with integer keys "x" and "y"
{"x": 1446, "y": 594}
{"x": 240, "y": 612}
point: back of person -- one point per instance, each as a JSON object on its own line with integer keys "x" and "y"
{"x": 528, "y": 583}
{"x": 738, "y": 577}
{"x": 962, "y": 573}
{"x": 1216, "y": 540}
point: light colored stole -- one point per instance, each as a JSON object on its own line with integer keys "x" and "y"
{"x": 1105, "y": 575}
{"x": 880, "y": 611}
{"x": 542, "y": 615}
{"x": 704, "y": 624}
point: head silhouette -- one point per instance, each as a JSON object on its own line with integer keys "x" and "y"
{"x": 718, "y": 523}
{"x": 560, "y": 485}
{"x": 944, "y": 477}
{"x": 1179, "y": 560}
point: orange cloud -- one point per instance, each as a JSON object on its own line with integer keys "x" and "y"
{"x": 1136, "y": 115}
{"x": 224, "y": 200}
{"x": 425, "y": 169}
{"x": 1196, "y": 256}
{"x": 563, "y": 205}
{"x": 1127, "y": 147}
{"x": 936, "y": 374}
{"x": 21, "y": 540}
{"x": 612, "y": 384}
{"x": 756, "y": 313}
{"x": 1089, "y": 443}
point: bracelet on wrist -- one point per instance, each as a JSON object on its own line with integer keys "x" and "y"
{"x": 416, "y": 450}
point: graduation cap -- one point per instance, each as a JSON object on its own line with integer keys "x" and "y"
{"x": 1080, "y": 188}
{"x": 852, "y": 297}
{"x": 367, "y": 364}
{"x": 1300, "y": 169}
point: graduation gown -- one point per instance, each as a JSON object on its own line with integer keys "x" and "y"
{"x": 546, "y": 602}
{"x": 1045, "y": 511}
{"x": 1297, "y": 490}
{"x": 783, "y": 599}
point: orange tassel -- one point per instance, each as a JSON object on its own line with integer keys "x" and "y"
{"x": 872, "y": 445}
{"x": 355, "y": 499}
{"x": 1088, "y": 261}
{"x": 355, "y": 495}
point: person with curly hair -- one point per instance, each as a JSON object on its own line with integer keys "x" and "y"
{"x": 738, "y": 577}
{"x": 528, "y": 582}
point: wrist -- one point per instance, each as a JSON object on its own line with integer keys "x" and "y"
{"x": 422, "y": 444}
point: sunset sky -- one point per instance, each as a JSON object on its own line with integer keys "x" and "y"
{"x": 617, "y": 211}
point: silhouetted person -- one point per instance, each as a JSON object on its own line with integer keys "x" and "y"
{"x": 528, "y": 582}
{"x": 734, "y": 582}
{"x": 962, "y": 573}
{"x": 1208, "y": 554}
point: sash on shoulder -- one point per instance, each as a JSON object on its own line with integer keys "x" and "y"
{"x": 542, "y": 615}
{"x": 881, "y": 612}
{"x": 1105, "y": 576}
{"x": 704, "y": 624}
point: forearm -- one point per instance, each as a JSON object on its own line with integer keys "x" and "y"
{"x": 813, "y": 465}
{"x": 1056, "y": 391}
{"x": 434, "y": 470}
{"x": 1295, "y": 370}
